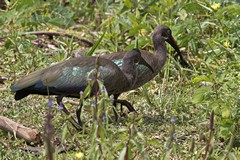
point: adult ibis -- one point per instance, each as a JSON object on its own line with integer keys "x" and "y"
{"x": 161, "y": 34}
{"x": 69, "y": 78}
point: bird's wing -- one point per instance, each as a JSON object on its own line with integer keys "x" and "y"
{"x": 72, "y": 76}
{"x": 27, "y": 81}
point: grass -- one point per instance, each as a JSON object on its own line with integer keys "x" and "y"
{"x": 174, "y": 109}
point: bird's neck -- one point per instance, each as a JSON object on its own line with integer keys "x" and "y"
{"x": 129, "y": 70}
{"x": 160, "y": 50}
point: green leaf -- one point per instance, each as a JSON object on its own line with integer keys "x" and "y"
{"x": 87, "y": 91}
{"x": 183, "y": 14}
{"x": 64, "y": 132}
{"x": 199, "y": 94}
{"x": 90, "y": 52}
{"x": 128, "y": 3}
{"x": 23, "y": 4}
{"x": 57, "y": 21}
{"x": 136, "y": 43}
{"x": 215, "y": 106}
{"x": 1, "y": 20}
{"x": 193, "y": 7}
{"x": 122, "y": 129}
{"x": 153, "y": 142}
{"x": 224, "y": 132}
{"x": 123, "y": 153}
{"x": 167, "y": 154}
{"x": 140, "y": 135}
{"x": 146, "y": 96}
{"x": 118, "y": 147}
{"x": 101, "y": 132}
{"x": 207, "y": 8}
{"x": 226, "y": 113}
{"x": 136, "y": 29}
{"x": 200, "y": 79}
{"x": 233, "y": 156}
{"x": 229, "y": 11}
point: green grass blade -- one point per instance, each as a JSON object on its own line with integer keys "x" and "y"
{"x": 91, "y": 51}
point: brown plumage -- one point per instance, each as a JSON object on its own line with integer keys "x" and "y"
{"x": 70, "y": 77}
{"x": 161, "y": 34}
{"x": 157, "y": 60}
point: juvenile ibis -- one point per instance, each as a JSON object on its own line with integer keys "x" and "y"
{"x": 69, "y": 78}
{"x": 157, "y": 60}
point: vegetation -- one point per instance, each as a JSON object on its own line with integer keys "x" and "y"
{"x": 182, "y": 113}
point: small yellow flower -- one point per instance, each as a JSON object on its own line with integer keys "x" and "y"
{"x": 215, "y": 6}
{"x": 79, "y": 155}
{"x": 226, "y": 44}
{"x": 143, "y": 32}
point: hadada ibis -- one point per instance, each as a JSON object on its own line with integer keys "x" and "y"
{"x": 69, "y": 78}
{"x": 160, "y": 34}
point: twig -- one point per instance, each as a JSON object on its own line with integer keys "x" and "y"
{"x": 72, "y": 102}
{"x": 88, "y": 43}
{"x": 20, "y": 131}
{"x": 229, "y": 148}
{"x": 50, "y": 34}
{"x": 3, "y": 77}
{"x": 211, "y": 127}
{"x": 48, "y": 137}
{"x": 128, "y": 142}
{"x": 39, "y": 150}
{"x": 32, "y": 149}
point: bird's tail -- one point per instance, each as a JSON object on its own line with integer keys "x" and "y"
{"x": 21, "y": 94}
{"x": 27, "y": 81}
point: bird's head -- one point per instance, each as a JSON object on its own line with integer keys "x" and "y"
{"x": 165, "y": 33}
{"x": 136, "y": 57}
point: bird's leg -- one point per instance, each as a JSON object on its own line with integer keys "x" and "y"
{"x": 114, "y": 109}
{"x": 78, "y": 113}
{"x": 123, "y": 103}
{"x": 64, "y": 109}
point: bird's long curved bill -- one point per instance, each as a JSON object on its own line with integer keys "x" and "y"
{"x": 173, "y": 43}
{"x": 143, "y": 62}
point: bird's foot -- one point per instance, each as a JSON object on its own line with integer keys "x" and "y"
{"x": 123, "y": 103}
{"x": 78, "y": 114}
{"x": 75, "y": 124}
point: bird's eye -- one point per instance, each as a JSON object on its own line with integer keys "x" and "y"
{"x": 165, "y": 35}
{"x": 136, "y": 60}
{"x": 169, "y": 32}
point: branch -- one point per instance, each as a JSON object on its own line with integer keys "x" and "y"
{"x": 50, "y": 34}
{"x": 20, "y": 131}
{"x": 211, "y": 128}
{"x": 88, "y": 43}
{"x": 3, "y": 77}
